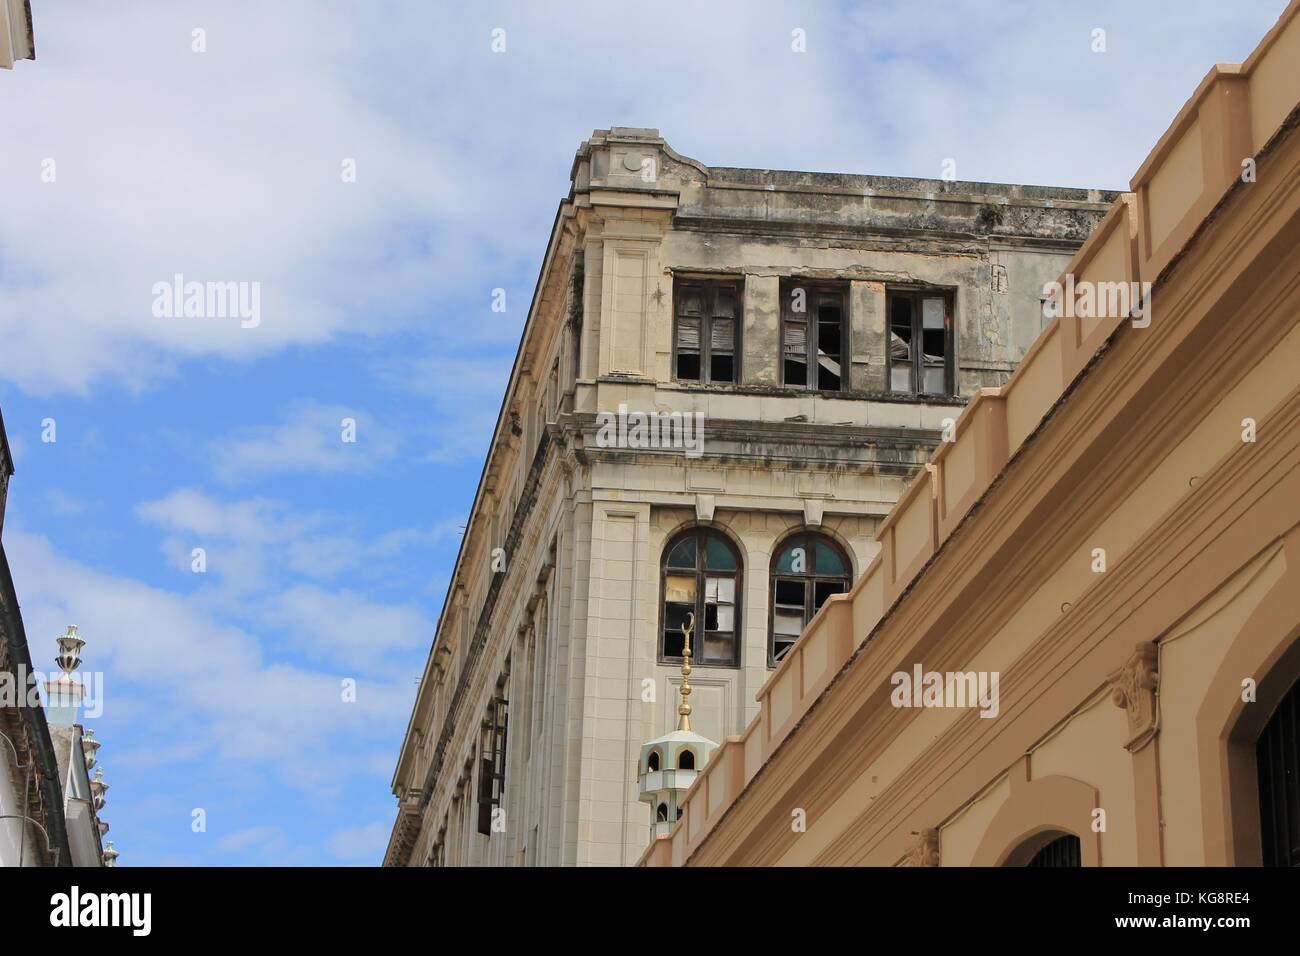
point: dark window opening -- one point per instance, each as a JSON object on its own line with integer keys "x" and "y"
{"x": 576, "y": 307}
{"x": 661, "y": 815}
{"x": 492, "y": 767}
{"x": 701, "y": 575}
{"x": 706, "y": 330}
{"x": 652, "y": 762}
{"x": 1277, "y": 757}
{"x": 1063, "y": 851}
{"x": 686, "y": 760}
{"x": 920, "y": 343}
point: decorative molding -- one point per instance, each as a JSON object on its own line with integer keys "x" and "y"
{"x": 924, "y": 850}
{"x": 813, "y": 511}
{"x": 1133, "y": 687}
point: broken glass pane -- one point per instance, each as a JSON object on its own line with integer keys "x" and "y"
{"x": 796, "y": 372}
{"x": 823, "y": 590}
{"x": 788, "y": 623}
{"x": 720, "y": 590}
{"x": 789, "y": 593}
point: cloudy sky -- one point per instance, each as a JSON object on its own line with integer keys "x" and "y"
{"x": 128, "y": 157}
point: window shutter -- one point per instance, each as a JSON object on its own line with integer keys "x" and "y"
{"x": 796, "y": 338}
{"x": 688, "y": 334}
{"x": 722, "y": 336}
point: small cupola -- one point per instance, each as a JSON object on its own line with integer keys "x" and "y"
{"x": 669, "y": 765}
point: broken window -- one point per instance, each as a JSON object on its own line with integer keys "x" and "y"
{"x": 576, "y": 308}
{"x": 920, "y": 343}
{"x": 492, "y": 767}
{"x": 701, "y": 576}
{"x": 553, "y": 392}
{"x": 706, "y": 330}
{"x": 814, "y": 336}
{"x": 807, "y": 570}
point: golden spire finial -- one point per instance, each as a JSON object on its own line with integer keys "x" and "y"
{"x": 684, "y": 708}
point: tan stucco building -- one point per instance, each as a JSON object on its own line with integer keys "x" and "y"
{"x": 1113, "y": 534}
{"x": 802, "y": 341}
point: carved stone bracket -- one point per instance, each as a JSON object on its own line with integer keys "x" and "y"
{"x": 1133, "y": 687}
{"x": 924, "y": 850}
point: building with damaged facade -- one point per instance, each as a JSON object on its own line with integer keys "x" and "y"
{"x": 801, "y": 343}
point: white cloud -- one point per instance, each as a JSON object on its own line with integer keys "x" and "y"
{"x": 465, "y": 393}
{"x": 245, "y": 539}
{"x": 311, "y": 438}
{"x": 254, "y": 520}
{"x": 226, "y": 164}
{"x": 177, "y": 675}
{"x": 364, "y": 844}
{"x": 261, "y": 837}
{"x": 63, "y": 504}
{"x": 345, "y": 626}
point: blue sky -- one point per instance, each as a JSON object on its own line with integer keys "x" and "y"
{"x": 329, "y": 560}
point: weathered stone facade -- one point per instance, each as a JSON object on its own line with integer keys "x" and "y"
{"x": 548, "y": 670}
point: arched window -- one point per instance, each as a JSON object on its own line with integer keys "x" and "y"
{"x": 686, "y": 760}
{"x": 652, "y": 762}
{"x": 702, "y": 574}
{"x": 1277, "y": 757}
{"x": 806, "y": 570}
{"x": 661, "y": 815}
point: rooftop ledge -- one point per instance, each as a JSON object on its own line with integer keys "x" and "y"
{"x": 1235, "y": 113}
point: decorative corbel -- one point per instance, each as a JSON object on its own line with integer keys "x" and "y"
{"x": 1133, "y": 687}
{"x": 924, "y": 850}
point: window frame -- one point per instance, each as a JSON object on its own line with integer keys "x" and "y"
{"x": 710, "y": 286}
{"x": 812, "y": 318}
{"x": 809, "y": 580}
{"x": 702, "y": 533}
{"x": 915, "y": 294}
